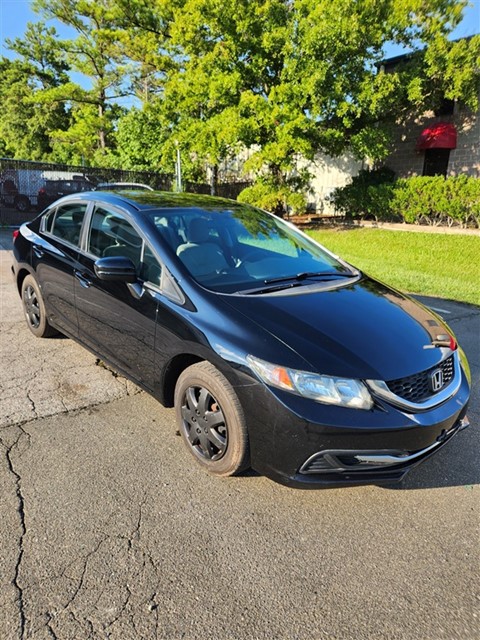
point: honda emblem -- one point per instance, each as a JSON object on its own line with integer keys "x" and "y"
{"x": 436, "y": 380}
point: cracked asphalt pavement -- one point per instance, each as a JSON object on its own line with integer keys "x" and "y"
{"x": 109, "y": 531}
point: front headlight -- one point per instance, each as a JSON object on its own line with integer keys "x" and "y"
{"x": 343, "y": 392}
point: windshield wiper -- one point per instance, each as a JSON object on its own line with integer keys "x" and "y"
{"x": 312, "y": 274}
{"x": 280, "y": 287}
{"x": 295, "y": 281}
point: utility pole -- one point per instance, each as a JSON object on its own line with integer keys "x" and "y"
{"x": 178, "y": 168}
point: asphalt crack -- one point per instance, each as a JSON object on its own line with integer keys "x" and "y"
{"x": 23, "y": 530}
{"x": 84, "y": 571}
{"x": 32, "y": 405}
{"x": 49, "y": 628}
{"x": 135, "y": 535}
{"x": 104, "y": 365}
{"x": 122, "y": 609}
{"x": 122, "y": 380}
{"x": 90, "y": 406}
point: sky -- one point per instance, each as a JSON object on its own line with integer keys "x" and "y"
{"x": 14, "y": 15}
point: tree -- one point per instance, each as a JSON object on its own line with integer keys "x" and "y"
{"x": 96, "y": 54}
{"x": 26, "y": 122}
{"x": 141, "y": 138}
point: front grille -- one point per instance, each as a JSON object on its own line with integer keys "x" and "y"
{"x": 417, "y": 388}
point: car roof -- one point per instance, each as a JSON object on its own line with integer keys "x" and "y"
{"x": 148, "y": 200}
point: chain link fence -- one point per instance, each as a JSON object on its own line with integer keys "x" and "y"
{"x": 22, "y": 182}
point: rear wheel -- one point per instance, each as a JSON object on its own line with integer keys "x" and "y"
{"x": 211, "y": 420}
{"x": 34, "y": 309}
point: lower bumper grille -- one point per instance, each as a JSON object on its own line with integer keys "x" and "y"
{"x": 347, "y": 461}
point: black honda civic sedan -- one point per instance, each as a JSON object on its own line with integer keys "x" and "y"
{"x": 275, "y": 353}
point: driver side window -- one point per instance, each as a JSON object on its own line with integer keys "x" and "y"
{"x": 111, "y": 235}
{"x": 150, "y": 268}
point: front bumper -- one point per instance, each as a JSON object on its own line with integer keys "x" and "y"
{"x": 336, "y": 468}
{"x": 301, "y": 443}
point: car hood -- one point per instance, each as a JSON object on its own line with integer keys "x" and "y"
{"x": 364, "y": 330}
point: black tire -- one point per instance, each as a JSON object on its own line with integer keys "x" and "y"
{"x": 211, "y": 421}
{"x": 34, "y": 309}
{"x": 22, "y": 204}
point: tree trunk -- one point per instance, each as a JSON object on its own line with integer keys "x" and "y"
{"x": 214, "y": 180}
{"x": 101, "y": 113}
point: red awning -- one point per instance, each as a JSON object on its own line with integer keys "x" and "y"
{"x": 439, "y": 136}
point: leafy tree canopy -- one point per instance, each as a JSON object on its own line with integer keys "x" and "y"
{"x": 96, "y": 52}
{"x": 274, "y": 81}
{"x": 26, "y": 122}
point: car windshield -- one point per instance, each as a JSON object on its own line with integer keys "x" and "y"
{"x": 244, "y": 250}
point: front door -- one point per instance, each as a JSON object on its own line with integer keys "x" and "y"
{"x": 115, "y": 319}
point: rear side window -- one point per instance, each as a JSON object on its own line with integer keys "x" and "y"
{"x": 66, "y": 223}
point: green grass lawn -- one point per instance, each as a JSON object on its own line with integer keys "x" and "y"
{"x": 447, "y": 266}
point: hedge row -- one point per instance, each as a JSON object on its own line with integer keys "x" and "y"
{"x": 419, "y": 200}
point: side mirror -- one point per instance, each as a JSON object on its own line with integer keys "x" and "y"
{"x": 115, "y": 269}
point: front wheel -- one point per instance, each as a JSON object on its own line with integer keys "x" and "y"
{"x": 211, "y": 420}
{"x": 34, "y": 309}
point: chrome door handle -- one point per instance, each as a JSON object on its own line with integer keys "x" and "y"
{"x": 38, "y": 251}
{"x": 83, "y": 280}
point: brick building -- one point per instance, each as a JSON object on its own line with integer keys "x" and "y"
{"x": 445, "y": 142}
{"x": 422, "y": 148}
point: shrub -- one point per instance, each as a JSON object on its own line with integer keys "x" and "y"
{"x": 418, "y": 200}
{"x": 275, "y": 199}
{"x": 367, "y": 195}
{"x": 437, "y": 200}
{"x": 429, "y": 200}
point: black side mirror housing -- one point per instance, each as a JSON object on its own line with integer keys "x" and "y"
{"x": 115, "y": 269}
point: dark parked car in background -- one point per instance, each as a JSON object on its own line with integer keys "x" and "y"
{"x": 275, "y": 353}
{"x": 54, "y": 189}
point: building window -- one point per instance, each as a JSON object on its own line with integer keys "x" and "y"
{"x": 436, "y": 162}
{"x": 445, "y": 108}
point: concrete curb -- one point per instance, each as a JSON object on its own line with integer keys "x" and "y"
{"x": 387, "y": 226}
{"x": 416, "y": 228}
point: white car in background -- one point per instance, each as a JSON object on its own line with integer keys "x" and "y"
{"x": 122, "y": 186}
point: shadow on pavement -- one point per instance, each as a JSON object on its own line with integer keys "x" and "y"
{"x": 6, "y": 239}
{"x": 456, "y": 465}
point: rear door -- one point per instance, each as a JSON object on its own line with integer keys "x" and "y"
{"x": 55, "y": 260}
